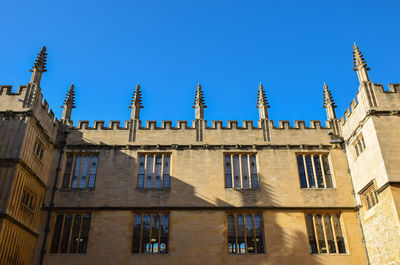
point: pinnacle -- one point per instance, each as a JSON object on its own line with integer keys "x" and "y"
{"x": 199, "y": 98}
{"x": 137, "y": 98}
{"x": 41, "y": 60}
{"x": 70, "y": 98}
{"x": 358, "y": 59}
{"x": 328, "y": 99}
{"x": 262, "y": 98}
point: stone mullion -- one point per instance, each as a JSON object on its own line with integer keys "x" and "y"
{"x": 162, "y": 175}
{"x": 334, "y": 233}
{"x": 325, "y": 235}
{"x": 315, "y": 171}
{"x": 321, "y": 162}
{"x": 305, "y": 170}
{"x": 315, "y": 233}
{"x": 70, "y": 230}
{"x": 249, "y": 172}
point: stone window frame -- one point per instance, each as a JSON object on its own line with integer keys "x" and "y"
{"x": 163, "y": 174}
{"x": 369, "y": 195}
{"x": 242, "y": 178}
{"x": 327, "y": 179}
{"x": 314, "y": 235}
{"x": 61, "y": 239}
{"x": 67, "y": 182}
{"x": 141, "y": 249}
{"x": 38, "y": 149}
{"x": 237, "y": 249}
{"x": 358, "y": 144}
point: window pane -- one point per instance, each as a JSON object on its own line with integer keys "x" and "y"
{"x": 93, "y": 171}
{"x": 250, "y": 234}
{"x": 368, "y": 202}
{"x": 259, "y": 233}
{"x": 154, "y": 234}
{"x": 166, "y": 171}
{"x": 56, "y": 234}
{"x": 228, "y": 171}
{"x": 231, "y": 234}
{"x": 157, "y": 172}
{"x": 320, "y": 234}
{"x": 372, "y": 198}
{"x": 327, "y": 171}
{"x": 146, "y": 234}
{"x": 75, "y": 234}
{"x": 67, "y": 172}
{"x": 84, "y": 234}
{"x": 310, "y": 172}
{"x": 240, "y": 234}
{"x": 318, "y": 171}
{"x": 84, "y": 171}
{"x": 164, "y": 234}
{"x": 329, "y": 234}
{"x": 253, "y": 169}
{"x": 339, "y": 234}
{"x": 302, "y": 173}
{"x": 66, "y": 232}
{"x": 311, "y": 234}
{"x": 236, "y": 171}
{"x": 149, "y": 171}
{"x": 245, "y": 172}
{"x": 141, "y": 172}
{"x": 136, "y": 234}
{"x": 76, "y": 171}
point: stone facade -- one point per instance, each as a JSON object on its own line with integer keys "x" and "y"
{"x": 36, "y": 150}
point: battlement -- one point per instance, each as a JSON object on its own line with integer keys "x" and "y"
{"x": 215, "y": 125}
{"x": 6, "y": 90}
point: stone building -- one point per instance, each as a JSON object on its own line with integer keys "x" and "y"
{"x": 200, "y": 193}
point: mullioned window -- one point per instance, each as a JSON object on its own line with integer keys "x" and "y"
{"x": 241, "y": 171}
{"x": 314, "y": 171}
{"x": 154, "y": 171}
{"x": 80, "y": 171}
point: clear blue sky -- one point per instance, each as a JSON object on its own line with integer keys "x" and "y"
{"x": 106, "y": 47}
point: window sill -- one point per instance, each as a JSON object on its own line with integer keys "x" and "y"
{"x": 65, "y": 254}
{"x": 27, "y": 208}
{"x": 242, "y": 189}
{"x": 330, "y": 254}
{"x": 152, "y": 189}
{"x": 246, "y": 254}
{"x": 76, "y": 190}
{"x": 318, "y": 188}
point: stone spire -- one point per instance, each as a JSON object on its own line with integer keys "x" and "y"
{"x": 329, "y": 103}
{"x": 39, "y": 67}
{"x": 360, "y": 65}
{"x": 136, "y": 104}
{"x": 69, "y": 104}
{"x": 199, "y": 104}
{"x": 262, "y": 103}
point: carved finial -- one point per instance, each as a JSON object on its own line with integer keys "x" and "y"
{"x": 136, "y": 103}
{"x": 262, "y": 103}
{"x": 359, "y": 64}
{"x": 199, "y": 104}
{"x": 329, "y": 103}
{"x": 41, "y": 60}
{"x": 69, "y": 104}
{"x": 39, "y": 66}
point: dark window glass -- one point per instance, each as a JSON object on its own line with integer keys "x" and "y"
{"x": 83, "y": 241}
{"x": 56, "y": 234}
{"x": 327, "y": 171}
{"x": 67, "y": 230}
{"x": 302, "y": 173}
{"x": 231, "y": 234}
{"x": 166, "y": 171}
{"x": 329, "y": 234}
{"x": 311, "y": 234}
{"x": 136, "y": 234}
{"x": 236, "y": 171}
{"x": 155, "y": 234}
{"x": 84, "y": 172}
{"x": 141, "y": 172}
{"x": 310, "y": 172}
{"x": 164, "y": 234}
{"x": 76, "y": 171}
{"x": 259, "y": 233}
{"x": 245, "y": 171}
{"x": 253, "y": 169}
{"x": 339, "y": 234}
{"x": 228, "y": 171}
{"x": 318, "y": 171}
{"x": 93, "y": 171}
{"x": 250, "y": 234}
{"x": 75, "y": 234}
{"x": 320, "y": 234}
{"x": 67, "y": 172}
{"x": 240, "y": 234}
{"x": 146, "y": 234}
{"x": 157, "y": 172}
{"x": 149, "y": 171}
